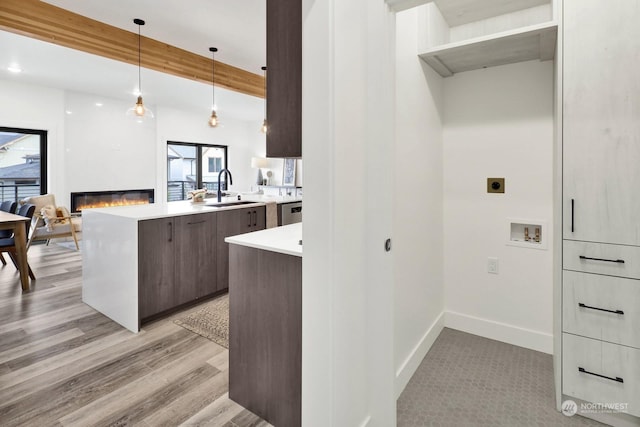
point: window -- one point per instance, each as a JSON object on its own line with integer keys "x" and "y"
{"x": 215, "y": 164}
{"x": 23, "y": 163}
{"x": 192, "y": 166}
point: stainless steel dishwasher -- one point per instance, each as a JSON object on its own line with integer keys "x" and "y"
{"x": 290, "y": 213}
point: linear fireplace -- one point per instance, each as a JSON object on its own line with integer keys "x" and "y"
{"x": 105, "y": 199}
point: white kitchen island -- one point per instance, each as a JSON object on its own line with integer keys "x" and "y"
{"x": 182, "y": 244}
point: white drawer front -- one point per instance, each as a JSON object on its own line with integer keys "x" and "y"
{"x": 602, "y": 258}
{"x": 601, "y": 358}
{"x": 585, "y": 297}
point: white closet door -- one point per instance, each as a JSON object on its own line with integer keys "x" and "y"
{"x": 601, "y": 140}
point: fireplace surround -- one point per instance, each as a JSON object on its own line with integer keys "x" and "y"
{"x": 104, "y": 199}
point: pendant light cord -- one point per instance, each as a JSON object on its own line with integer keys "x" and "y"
{"x": 264, "y": 77}
{"x": 139, "y": 63}
{"x": 213, "y": 79}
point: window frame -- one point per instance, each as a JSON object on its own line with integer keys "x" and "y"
{"x": 199, "y": 148}
{"x": 43, "y": 151}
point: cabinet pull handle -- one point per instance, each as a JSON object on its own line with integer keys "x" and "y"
{"x": 616, "y": 379}
{"x": 619, "y": 261}
{"x": 196, "y": 222}
{"x": 249, "y": 213}
{"x": 171, "y": 231}
{"x": 620, "y": 312}
{"x": 255, "y": 218}
{"x": 572, "y": 215}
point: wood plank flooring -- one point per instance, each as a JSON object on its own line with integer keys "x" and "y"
{"x": 64, "y": 364}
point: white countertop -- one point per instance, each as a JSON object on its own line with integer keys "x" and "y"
{"x": 163, "y": 210}
{"x": 265, "y": 198}
{"x": 283, "y": 239}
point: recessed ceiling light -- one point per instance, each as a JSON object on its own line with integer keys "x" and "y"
{"x": 99, "y": 104}
{"x": 69, "y": 112}
{"x": 14, "y": 68}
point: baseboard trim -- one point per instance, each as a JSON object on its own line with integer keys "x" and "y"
{"x": 411, "y": 363}
{"x": 510, "y": 334}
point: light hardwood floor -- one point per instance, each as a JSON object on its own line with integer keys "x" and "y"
{"x": 64, "y": 364}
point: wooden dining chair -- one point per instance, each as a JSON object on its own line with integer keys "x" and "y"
{"x": 8, "y": 244}
{"x": 10, "y": 207}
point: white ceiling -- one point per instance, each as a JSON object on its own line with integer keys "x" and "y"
{"x": 240, "y": 38}
{"x": 237, "y": 28}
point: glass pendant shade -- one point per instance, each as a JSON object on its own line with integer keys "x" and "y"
{"x": 139, "y": 111}
{"x": 213, "y": 120}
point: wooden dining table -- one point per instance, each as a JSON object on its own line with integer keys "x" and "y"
{"x": 9, "y": 221}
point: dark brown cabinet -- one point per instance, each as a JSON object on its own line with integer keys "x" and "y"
{"x": 284, "y": 78}
{"x": 265, "y": 334}
{"x": 195, "y": 257}
{"x": 232, "y": 223}
{"x": 184, "y": 258}
{"x": 176, "y": 262}
{"x": 155, "y": 266}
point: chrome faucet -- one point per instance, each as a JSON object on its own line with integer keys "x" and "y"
{"x": 228, "y": 172}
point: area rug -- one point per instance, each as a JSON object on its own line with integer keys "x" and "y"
{"x": 211, "y": 321}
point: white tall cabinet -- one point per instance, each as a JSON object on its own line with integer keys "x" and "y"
{"x": 601, "y": 204}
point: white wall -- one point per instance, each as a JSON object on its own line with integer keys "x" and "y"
{"x": 498, "y": 122}
{"x": 100, "y": 148}
{"x": 34, "y": 107}
{"x": 417, "y": 222}
{"x": 104, "y": 149}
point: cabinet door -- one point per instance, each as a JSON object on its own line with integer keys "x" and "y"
{"x": 284, "y": 78}
{"x": 259, "y": 218}
{"x": 156, "y": 241}
{"x": 601, "y": 121}
{"x": 230, "y": 223}
{"x": 195, "y": 257}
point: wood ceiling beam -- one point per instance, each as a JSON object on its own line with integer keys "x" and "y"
{"x": 43, "y": 21}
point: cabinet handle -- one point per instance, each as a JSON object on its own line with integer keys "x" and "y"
{"x": 196, "y": 222}
{"x": 620, "y": 312}
{"x": 619, "y": 261}
{"x": 255, "y": 218}
{"x": 249, "y": 213}
{"x": 616, "y": 379}
{"x": 171, "y": 231}
{"x": 572, "y": 215}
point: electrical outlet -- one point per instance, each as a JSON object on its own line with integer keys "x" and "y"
{"x": 495, "y": 185}
{"x": 492, "y": 265}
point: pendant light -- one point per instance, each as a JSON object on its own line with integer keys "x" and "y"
{"x": 139, "y": 111}
{"x": 213, "y": 120}
{"x": 263, "y": 129}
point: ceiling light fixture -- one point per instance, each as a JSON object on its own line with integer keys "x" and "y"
{"x": 139, "y": 111}
{"x": 263, "y": 129}
{"x": 213, "y": 120}
{"x": 14, "y": 68}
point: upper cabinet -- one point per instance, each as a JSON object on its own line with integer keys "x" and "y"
{"x": 284, "y": 78}
{"x": 465, "y": 35}
{"x": 601, "y": 121}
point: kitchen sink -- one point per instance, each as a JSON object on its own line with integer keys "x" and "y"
{"x": 226, "y": 204}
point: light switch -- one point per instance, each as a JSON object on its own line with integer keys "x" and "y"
{"x": 492, "y": 265}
